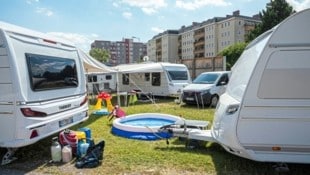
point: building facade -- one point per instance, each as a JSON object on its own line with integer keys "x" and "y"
{"x": 122, "y": 52}
{"x": 163, "y": 47}
{"x": 201, "y": 39}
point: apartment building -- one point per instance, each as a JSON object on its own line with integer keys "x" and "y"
{"x": 163, "y": 47}
{"x": 122, "y": 52}
{"x": 201, "y": 39}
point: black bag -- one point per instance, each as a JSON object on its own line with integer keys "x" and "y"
{"x": 93, "y": 158}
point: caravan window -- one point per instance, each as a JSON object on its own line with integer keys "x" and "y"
{"x": 147, "y": 77}
{"x": 47, "y": 72}
{"x": 177, "y": 73}
{"x": 125, "y": 79}
{"x": 92, "y": 78}
{"x": 156, "y": 79}
{"x": 108, "y": 77}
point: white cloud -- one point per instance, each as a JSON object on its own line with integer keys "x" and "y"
{"x": 127, "y": 15}
{"x": 196, "y": 4}
{"x": 299, "y": 5}
{"x": 157, "y": 30}
{"x": 31, "y": 1}
{"x": 147, "y": 6}
{"x": 148, "y": 11}
{"x": 115, "y": 4}
{"x": 44, "y": 11}
{"x": 81, "y": 41}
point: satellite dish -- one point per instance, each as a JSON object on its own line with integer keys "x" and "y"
{"x": 146, "y": 58}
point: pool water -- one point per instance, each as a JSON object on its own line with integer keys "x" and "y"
{"x": 150, "y": 122}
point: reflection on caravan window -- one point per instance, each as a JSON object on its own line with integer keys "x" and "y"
{"x": 156, "y": 79}
{"x": 125, "y": 79}
{"x": 178, "y": 75}
{"x": 47, "y": 72}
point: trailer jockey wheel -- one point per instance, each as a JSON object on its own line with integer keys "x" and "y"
{"x": 8, "y": 156}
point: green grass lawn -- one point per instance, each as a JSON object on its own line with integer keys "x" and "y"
{"x": 135, "y": 157}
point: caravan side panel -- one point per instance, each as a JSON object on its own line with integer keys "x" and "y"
{"x": 274, "y": 121}
{"x": 7, "y": 119}
{"x": 42, "y": 86}
{"x": 138, "y": 81}
{"x": 277, "y": 119}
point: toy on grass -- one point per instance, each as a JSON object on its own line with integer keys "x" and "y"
{"x": 116, "y": 112}
{"x": 98, "y": 107}
{"x": 107, "y": 97}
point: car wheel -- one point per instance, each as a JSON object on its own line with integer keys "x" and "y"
{"x": 214, "y": 100}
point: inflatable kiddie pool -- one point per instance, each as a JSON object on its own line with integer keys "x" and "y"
{"x": 143, "y": 126}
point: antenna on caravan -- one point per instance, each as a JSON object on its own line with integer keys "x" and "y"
{"x": 146, "y": 58}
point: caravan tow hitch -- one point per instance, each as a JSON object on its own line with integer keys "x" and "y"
{"x": 8, "y": 156}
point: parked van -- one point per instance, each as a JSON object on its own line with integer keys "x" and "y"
{"x": 42, "y": 87}
{"x": 265, "y": 113}
{"x": 206, "y": 89}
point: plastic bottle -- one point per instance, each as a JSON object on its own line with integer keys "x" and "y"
{"x": 56, "y": 150}
{"x": 82, "y": 148}
{"x": 66, "y": 153}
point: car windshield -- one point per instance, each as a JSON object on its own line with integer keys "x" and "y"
{"x": 206, "y": 78}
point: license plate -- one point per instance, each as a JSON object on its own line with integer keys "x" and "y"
{"x": 66, "y": 121}
{"x": 190, "y": 99}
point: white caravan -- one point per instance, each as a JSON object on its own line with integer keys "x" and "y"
{"x": 159, "y": 79}
{"x": 265, "y": 113}
{"x": 42, "y": 87}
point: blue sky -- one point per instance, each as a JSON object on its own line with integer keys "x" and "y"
{"x": 83, "y": 21}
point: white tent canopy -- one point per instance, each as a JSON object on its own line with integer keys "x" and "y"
{"x": 146, "y": 67}
{"x": 91, "y": 65}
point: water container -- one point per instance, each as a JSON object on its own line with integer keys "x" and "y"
{"x": 82, "y": 148}
{"x": 66, "y": 153}
{"x": 87, "y": 132}
{"x": 68, "y": 137}
{"x": 56, "y": 150}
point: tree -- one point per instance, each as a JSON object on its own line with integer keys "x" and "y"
{"x": 232, "y": 53}
{"x": 276, "y": 11}
{"x": 101, "y": 55}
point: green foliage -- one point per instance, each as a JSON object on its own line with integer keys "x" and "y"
{"x": 101, "y": 55}
{"x": 276, "y": 11}
{"x": 232, "y": 53}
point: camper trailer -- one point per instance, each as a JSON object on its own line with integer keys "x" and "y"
{"x": 98, "y": 82}
{"x": 42, "y": 87}
{"x": 159, "y": 79}
{"x": 265, "y": 113}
